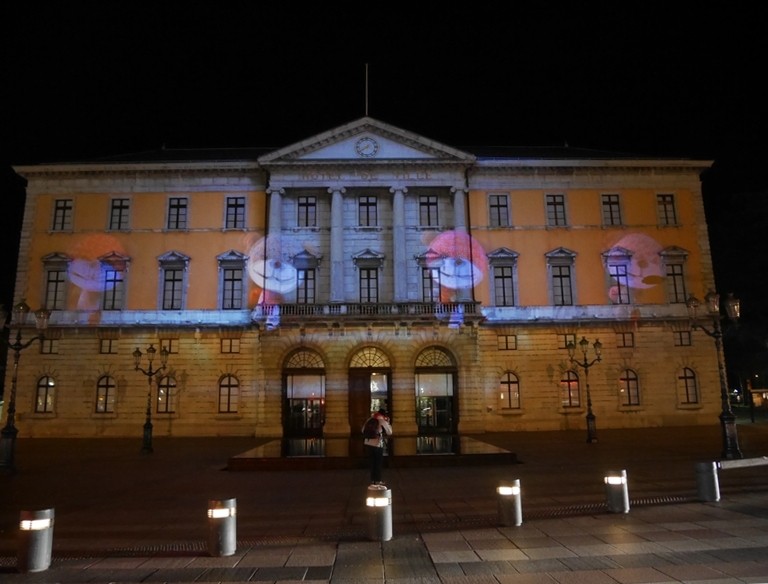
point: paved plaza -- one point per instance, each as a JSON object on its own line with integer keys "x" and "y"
{"x": 121, "y": 516}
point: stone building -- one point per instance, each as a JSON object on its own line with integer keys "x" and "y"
{"x": 297, "y": 289}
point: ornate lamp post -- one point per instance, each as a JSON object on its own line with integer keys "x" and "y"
{"x": 731, "y": 448}
{"x": 9, "y": 431}
{"x": 150, "y": 373}
{"x": 585, "y": 364}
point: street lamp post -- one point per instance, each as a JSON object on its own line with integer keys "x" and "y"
{"x": 731, "y": 448}
{"x": 9, "y": 431}
{"x": 150, "y": 372}
{"x": 585, "y": 364}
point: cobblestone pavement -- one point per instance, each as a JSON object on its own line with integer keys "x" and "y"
{"x": 125, "y": 517}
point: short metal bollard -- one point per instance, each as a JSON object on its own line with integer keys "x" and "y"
{"x": 35, "y": 540}
{"x": 222, "y": 527}
{"x": 616, "y": 493}
{"x": 379, "y": 502}
{"x": 510, "y": 504}
{"x": 707, "y": 484}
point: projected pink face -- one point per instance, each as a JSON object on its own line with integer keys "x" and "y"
{"x": 645, "y": 269}
{"x": 265, "y": 267}
{"x": 460, "y": 259}
{"x": 86, "y": 271}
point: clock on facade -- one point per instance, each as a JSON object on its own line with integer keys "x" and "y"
{"x": 366, "y": 147}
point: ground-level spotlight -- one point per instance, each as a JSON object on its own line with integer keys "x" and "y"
{"x": 35, "y": 540}
{"x": 379, "y": 502}
{"x": 222, "y": 527}
{"x": 510, "y": 504}
{"x": 616, "y": 491}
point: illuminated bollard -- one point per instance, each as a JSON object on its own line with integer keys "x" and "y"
{"x": 222, "y": 527}
{"x": 510, "y": 504}
{"x": 707, "y": 485}
{"x": 379, "y": 503}
{"x": 35, "y": 540}
{"x": 616, "y": 493}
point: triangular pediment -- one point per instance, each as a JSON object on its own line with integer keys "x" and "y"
{"x": 366, "y": 140}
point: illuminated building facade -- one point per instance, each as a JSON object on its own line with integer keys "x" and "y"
{"x": 297, "y": 289}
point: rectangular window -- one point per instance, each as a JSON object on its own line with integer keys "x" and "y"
{"x": 556, "y": 210}
{"x": 676, "y": 284}
{"x": 665, "y": 205}
{"x": 114, "y": 288}
{"x": 503, "y": 286}
{"x": 569, "y": 390}
{"x": 119, "y": 214}
{"x": 229, "y": 394}
{"x": 367, "y": 211}
{"x": 506, "y": 342}
{"x": 682, "y": 338}
{"x": 428, "y": 211}
{"x": 564, "y": 340}
{"x": 49, "y": 346}
{"x": 173, "y": 281}
{"x": 172, "y": 345}
{"x": 629, "y": 388}
{"x": 611, "y": 210}
{"x": 625, "y": 340}
{"x": 62, "y": 215}
{"x": 619, "y": 292}
{"x": 177, "y": 213}
{"x": 498, "y": 210}
{"x": 55, "y": 289}
{"x": 45, "y": 394}
{"x": 305, "y": 291}
{"x": 106, "y": 394}
{"x": 235, "y": 218}
{"x": 509, "y": 392}
{"x": 232, "y": 292}
{"x": 108, "y": 346}
{"x": 230, "y": 346}
{"x": 430, "y": 285}
{"x": 562, "y": 293}
{"x": 369, "y": 285}
{"x": 307, "y": 212}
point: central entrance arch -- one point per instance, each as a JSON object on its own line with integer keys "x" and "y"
{"x": 303, "y": 395}
{"x": 370, "y": 376}
{"x": 436, "y": 399}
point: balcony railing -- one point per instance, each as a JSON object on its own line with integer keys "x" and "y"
{"x": 366, "y": 311}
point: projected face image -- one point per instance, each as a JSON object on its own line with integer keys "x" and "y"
{"x": 86, "y": 270}
{"x": 460, "y": 259}
{"x": 268, "y": 271}
{"x": 645, "y": 269}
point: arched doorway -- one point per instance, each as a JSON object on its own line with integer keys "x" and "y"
{"x": 435, "y": 387}
{"x": 303, "y": 395}
{"x": 370, "y": 388}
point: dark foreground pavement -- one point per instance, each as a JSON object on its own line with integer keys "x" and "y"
{"x": 125, "y": 517}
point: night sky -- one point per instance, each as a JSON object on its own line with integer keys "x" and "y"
{"x": 82, "y": 80}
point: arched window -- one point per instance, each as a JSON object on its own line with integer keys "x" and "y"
{"x": 509, "y": 391}
{"x": 629, "y": 388}
{"x": 436, "y": 403}
{"x": 569, "y": 390}
{"x": 687, "y": 387}
{"x": 166, "y": 395}
{"x": 106, "y": 395}
{"x": 44, "y": 395}
{"x": 229, "y": 394}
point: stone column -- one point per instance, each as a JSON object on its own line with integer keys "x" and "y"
{"x": 459, "y": 208}
{"x": 275, "y": 211}
{"x": 337, "y": 243}
{"x": 399, "y": 265}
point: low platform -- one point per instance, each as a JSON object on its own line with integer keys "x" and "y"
{"x": 346, "y": 453}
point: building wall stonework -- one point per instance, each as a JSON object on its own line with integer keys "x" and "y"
{"x": 229, "y": 361}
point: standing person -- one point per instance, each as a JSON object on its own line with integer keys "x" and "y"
{"x": 374, "y": 442}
